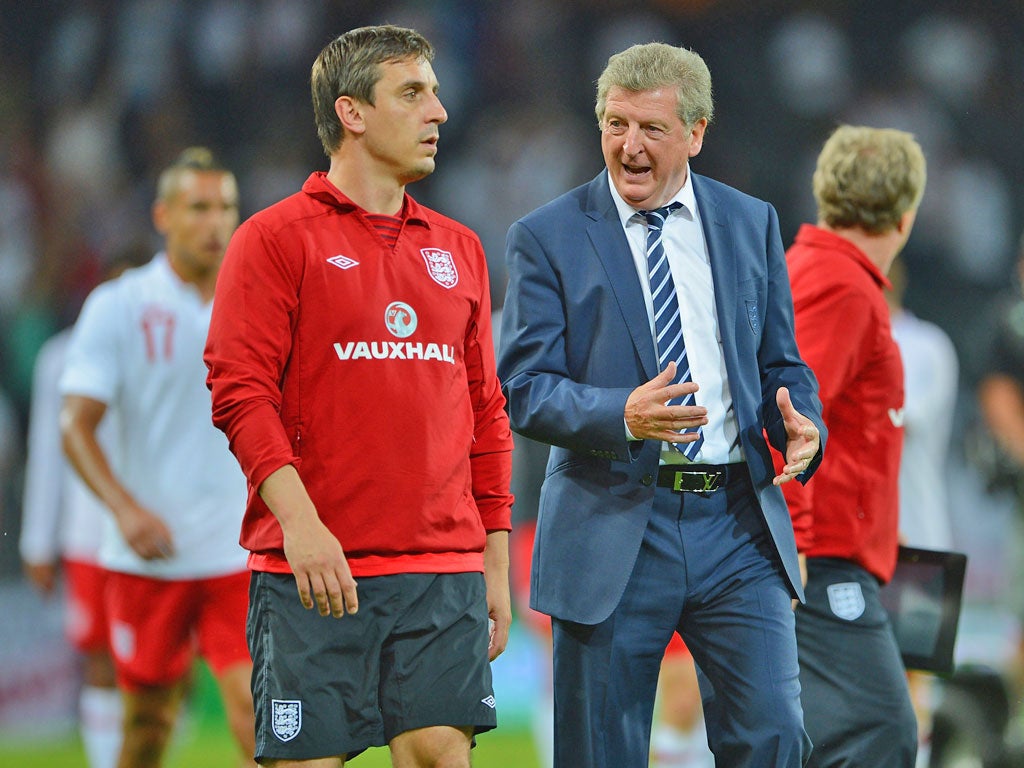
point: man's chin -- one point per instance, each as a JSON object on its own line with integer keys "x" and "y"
{"x": 638, "y": 197}
{"x": 420, "y": 171}
{"x": 633, "y": 187}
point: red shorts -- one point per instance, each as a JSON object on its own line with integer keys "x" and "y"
{"x": 157, "y": 627}
{"x": 521, "y": 546}
{"x": 676, "y": 647}
{"x": 87, "y": 623}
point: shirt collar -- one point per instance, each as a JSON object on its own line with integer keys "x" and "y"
{"x": 318, "y": 186}
{"x": 162, "y": 264}
{"x": 813, "y": 236}
{"x": 685, "y": 195}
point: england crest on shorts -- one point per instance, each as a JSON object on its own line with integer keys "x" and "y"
{"x": 441, "y": 267}
{"x": 846, "y": 600}
{"x": 286, "y": 718}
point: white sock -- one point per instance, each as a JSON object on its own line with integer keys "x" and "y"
{"x": 543, "y": 726}
{"x": 672, "y": 748}
{"x": 100, "y": 711}
{"x": 924, "y": 751}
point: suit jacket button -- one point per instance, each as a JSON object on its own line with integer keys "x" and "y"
{"x": 646, "y": 480}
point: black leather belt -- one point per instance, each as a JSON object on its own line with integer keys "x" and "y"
{"x": 699, "y": 478}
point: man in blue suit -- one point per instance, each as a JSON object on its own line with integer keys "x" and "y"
{"x": 660, "y": 511}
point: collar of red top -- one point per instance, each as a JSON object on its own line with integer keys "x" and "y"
{"x": 318, "y": 187}
{"x": 811, "y": 236}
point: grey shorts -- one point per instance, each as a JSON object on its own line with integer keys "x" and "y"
{"x": 415, "y": 655}
{"x": 856, "y": 703}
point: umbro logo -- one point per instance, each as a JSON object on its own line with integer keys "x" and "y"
{"x": 897, "y": 417}
{"x": 342, "y": 262}
{"x": 489, "y": 701}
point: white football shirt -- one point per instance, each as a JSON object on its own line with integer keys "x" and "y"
{"x": 60, "y": 515}
{"x": 138, "y": 347}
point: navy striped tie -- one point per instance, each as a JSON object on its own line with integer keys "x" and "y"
{"x": 667, "y": 324}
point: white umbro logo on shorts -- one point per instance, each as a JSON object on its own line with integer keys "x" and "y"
{"x": 344, "y": 262}
{"x": 489, "y": 701}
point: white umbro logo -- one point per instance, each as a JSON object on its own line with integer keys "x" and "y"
{"x": 344, "y": 262}
{"x": 897, "y": 417}
{"x": 489, "y": 701}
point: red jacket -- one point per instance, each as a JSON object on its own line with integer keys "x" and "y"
{"x": 849, "y": 508}
{"x": 369, "y": 370}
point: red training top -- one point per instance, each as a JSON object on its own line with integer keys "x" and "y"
{"x": 371, "y": 370}
{"x": 849, "y": 508}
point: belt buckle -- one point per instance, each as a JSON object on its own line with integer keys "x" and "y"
{"x": 709, "y": 481}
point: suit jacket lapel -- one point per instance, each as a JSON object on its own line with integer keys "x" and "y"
{"x": 722, "y": 252}
{"x": 612, "y": 249}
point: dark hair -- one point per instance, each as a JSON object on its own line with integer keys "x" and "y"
{"x": 349, "y": 66}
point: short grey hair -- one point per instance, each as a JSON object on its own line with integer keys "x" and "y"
{"x": 654, "y": 65}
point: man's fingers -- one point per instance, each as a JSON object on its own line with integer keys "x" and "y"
{"x": 675, "y": 391}
{"x": 330, "y": 595}
{"x": 305, "y": 593}
{"x": 793, "y": 468}
{"x": 665, "y": 377}
{"x": 499, "y": 631}
{"x": 784, "y": 402}
{"x": 351, "y": 597}
{"x": 683, "y": 416}
{"x": 341, "y": 592}
{"x": 675, "y": 436}
{"x": 785, "y": 477}
{"x": 322, "y": 597}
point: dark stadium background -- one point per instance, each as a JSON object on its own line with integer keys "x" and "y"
{"x": 96, "y": 96}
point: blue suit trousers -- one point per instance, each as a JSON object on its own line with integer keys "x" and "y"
{"x": 707, "y": 568}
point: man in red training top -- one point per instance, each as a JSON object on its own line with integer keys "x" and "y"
{"x": 352, "y": 368}
{"x": 857, "y": 710}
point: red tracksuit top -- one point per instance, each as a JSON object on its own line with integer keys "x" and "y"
{"x": 371, "y": 370}
{"x": 849, "y": 509}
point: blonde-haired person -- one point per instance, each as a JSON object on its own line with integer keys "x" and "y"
{"x": 868, "y": 184}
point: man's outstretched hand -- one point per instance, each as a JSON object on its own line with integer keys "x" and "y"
{"x": 802, "y": 439}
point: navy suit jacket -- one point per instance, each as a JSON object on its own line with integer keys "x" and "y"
{"x": 576, "y": 341}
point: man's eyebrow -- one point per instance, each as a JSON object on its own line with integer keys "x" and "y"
{"x": 419, "y": 85}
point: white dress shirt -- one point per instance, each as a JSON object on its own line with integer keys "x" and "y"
{"x": 690, "y": 264}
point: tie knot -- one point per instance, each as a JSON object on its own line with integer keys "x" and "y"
{"x": 656, "y": 217}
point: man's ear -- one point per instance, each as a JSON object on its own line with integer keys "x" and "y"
{"x": 906, "y": 222}
{"x": 160, "y": 215}
{"x": 350, "y": 114}
{"x": 697, "y": 136}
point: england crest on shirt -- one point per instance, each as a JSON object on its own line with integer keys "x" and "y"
{"x": 286, "y": 718}
{"x": 846, "y": 600}
{"x": 441, "y": 267}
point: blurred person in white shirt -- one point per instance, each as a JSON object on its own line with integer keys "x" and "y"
{"x": 174, "y": 493}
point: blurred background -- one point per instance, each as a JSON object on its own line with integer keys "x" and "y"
{"x": 97, "y": 96}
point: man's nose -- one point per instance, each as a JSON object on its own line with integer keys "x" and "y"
{"x": 438, "y": 114}
{"x": 632, "y": 142}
